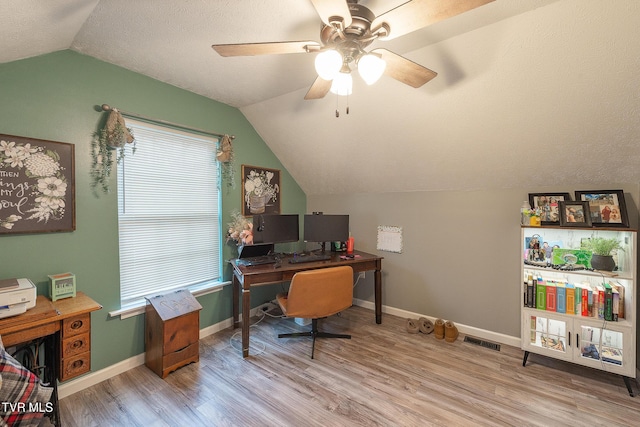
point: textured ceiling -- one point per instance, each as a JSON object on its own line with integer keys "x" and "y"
{"x": 529, "y": 93}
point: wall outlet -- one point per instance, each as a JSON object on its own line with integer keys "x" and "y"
{"x": 361, "y": 275}
{"x": 263, "y": 308}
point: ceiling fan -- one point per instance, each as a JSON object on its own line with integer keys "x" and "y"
{"x": 348, "y": 29}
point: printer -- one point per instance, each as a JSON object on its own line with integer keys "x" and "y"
{"x": 16, "y": 296}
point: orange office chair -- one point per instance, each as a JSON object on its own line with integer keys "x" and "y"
{"x": 316, "y": 294}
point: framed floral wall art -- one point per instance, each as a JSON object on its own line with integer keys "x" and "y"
{"x": 37, "y": 185}
{"x": 260, "y": 190}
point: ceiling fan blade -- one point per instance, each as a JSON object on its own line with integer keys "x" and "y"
{"x": 405, "y": 70}
{"x": 318, "y": 89}
{"x": 417, "y": 14}
{"x": 333, "y": 11}
{"x": 270, "y": 48}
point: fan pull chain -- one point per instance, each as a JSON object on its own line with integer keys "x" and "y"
{"x": 347, "y": 103}
{"x": 338, "y": 105}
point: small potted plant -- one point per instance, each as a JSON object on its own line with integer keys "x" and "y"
{"x": 601, "y": 248}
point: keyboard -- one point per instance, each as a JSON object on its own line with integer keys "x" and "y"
{"x": 258, "y": 260}
{"x": 309, "y": 258}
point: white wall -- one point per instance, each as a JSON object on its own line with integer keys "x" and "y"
{"x": 461, "y": 250}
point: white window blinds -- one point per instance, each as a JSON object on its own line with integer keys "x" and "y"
{"x": 168, "y": 212}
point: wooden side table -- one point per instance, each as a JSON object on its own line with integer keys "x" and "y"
{"x": 172, "y": 332}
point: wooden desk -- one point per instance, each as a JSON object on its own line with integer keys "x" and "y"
{"x": 246, "y": 277}
{"x": 70, "y": 317}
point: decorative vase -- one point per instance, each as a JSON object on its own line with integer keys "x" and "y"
{"x": 602, "y": 262}
{"x": 257, "y": 204}
{"x": 534, "y": 221}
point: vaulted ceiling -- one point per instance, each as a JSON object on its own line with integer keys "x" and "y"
{"x": 528, "y": 94}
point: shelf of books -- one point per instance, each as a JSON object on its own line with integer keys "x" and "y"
{"x": 571, "y": 311}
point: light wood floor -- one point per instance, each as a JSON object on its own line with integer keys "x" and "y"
{"x": 382, "y": 377}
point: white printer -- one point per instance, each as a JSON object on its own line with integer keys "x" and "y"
{"x": 16, "y": 296}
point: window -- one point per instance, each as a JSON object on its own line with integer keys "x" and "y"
{"x": 168, "y": 212}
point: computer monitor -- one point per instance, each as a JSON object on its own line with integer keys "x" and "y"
{"x": 276, "y": 228}
{"x": 326, "y": 228}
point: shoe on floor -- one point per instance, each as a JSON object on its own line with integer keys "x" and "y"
{"x": 438, "y": 328}
{"x": 412, "y": 326}
{"x": 450, "y": 332}
{"x": 425, "y": 325}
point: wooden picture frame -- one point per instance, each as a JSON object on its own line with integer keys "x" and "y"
{"x": 607, "y": 207}
{"x": 548, "y": 203}
{"x": 260, "y": 190}
{"x": 574, "y": 214}
{"x": 37, "y": 185}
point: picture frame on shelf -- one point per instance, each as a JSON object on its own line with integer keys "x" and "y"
{"x": 260, "y": 190}
{"x": 574, "y": 214}
{"x": 548, "y": 204}
{"x": 607, "y": 208}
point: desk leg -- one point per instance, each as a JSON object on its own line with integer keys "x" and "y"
{"x": 378, "y": 295}
{"x": 246, "y": 309}
{"x": 236, "y": 301}
{"x": 52, "y": 352}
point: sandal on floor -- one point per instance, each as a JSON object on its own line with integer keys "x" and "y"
{"x": 412, "y": 326}
{"x": 425, "y": 325}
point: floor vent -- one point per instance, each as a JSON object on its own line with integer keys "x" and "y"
{"x": 482, "y": 343}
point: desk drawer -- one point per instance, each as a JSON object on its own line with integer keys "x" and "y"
{"x": 76, "y": 325}
{"x": 73, "y": 366}
{"x": 76, "y": 345}
{"x": 177, "y": 359}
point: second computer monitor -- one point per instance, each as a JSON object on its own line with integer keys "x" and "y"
{"x": 326, "y": 228}
{"x": 276, "y": 228}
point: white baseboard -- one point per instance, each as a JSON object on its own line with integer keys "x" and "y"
{"x": 467, "y": 330}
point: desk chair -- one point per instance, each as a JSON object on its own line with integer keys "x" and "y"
{"x": 316, "y": 294}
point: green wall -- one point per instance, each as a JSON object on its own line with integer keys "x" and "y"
{"x": 57, "y": 97}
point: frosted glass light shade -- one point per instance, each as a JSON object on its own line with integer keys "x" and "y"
{"x": 371, "y": 68}
{"x": 328, "y": 64}
{"x": 342, "y": 84}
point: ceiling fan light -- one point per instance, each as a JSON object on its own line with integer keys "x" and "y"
{"x": 371, "y": 67}
{"x": 342, "y": 84}
{"x": 328, "y": 64}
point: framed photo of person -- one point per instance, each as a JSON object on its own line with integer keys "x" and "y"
{"x": 548, "y": 204}
{"x": 607, "y": 208}
{"x": 574, "y": 214}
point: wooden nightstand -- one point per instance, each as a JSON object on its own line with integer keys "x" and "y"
{"x": 172, "y": 332}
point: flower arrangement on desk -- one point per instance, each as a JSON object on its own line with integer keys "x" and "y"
{"x": 240, "y": 230}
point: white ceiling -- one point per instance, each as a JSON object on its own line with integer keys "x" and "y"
{"x": 530, "y": 93}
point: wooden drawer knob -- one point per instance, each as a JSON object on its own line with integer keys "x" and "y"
{"x": 77, "y": 324}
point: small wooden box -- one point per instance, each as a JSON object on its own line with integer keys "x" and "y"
{"x": 172, "y": 331}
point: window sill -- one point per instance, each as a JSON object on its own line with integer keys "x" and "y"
{"x": 138, "y": 307}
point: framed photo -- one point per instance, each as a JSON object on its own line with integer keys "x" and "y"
{"x": 574, "y": 214}
{"x": 260, "y": 190}
{"x": 607, "y": 207}
{"x": 37, "y": 185}
{"x": 548, "y": 204}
